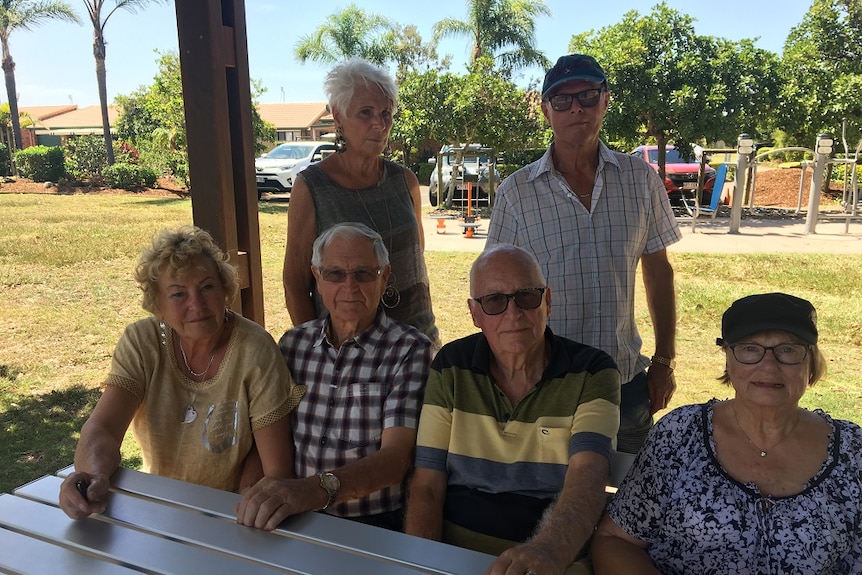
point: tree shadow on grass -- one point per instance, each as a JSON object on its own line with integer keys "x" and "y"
{"x": 38, "y": 433}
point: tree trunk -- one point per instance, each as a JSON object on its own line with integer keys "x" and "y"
{"x": 99, "y": 53}
{"x": 9, "y": 73}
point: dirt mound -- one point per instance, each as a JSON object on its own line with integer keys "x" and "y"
{"x": 165, "y": 187}
{"x": 779, "y": 188}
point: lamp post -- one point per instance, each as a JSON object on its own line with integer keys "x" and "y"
{"x": 822, "y": 151}
{"x": 744, "y": 149}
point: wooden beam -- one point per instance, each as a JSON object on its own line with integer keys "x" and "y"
{"x": 217, "y": 95}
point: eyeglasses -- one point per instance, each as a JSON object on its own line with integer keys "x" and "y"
{"x": 497, "y": 303}
{"x": 360, "y": 275}
{"x": 786, "y": 353}
{"x": 587, "y": 99}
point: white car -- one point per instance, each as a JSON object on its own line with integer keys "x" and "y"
{"x": 277, "y": 169}
{"x": 475, "y": 162}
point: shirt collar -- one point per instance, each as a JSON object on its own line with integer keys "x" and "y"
{"x": 366, "y": 340}
{"x": 557, "y": 363}
{"x": 546, "y": 162}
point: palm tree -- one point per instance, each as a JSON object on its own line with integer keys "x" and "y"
{"x": 345, "y": 34}
{"x": 24, "y": 15}
{"x": 502, "y": 29}
{"x": 94, "y": 8}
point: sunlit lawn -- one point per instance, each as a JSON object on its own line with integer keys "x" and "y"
{"x": 66, "y": 292}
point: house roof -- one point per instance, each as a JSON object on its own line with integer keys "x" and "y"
{"x": 39, "y": 113}
{"x": 89, "y": 117}
{"x": 294, "y": 115}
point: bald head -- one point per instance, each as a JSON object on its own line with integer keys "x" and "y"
{"x": 511, "y": 260}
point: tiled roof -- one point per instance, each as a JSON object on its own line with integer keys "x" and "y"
{"x": 89, "y": 117}
{"x": 293, "y": 115}
{"x": 39, "y": 113}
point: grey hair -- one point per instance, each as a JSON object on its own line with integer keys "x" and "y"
{"x": 342, "y": 80}
{"x": 516, "y": 252}
{"x": 349, "y": 231}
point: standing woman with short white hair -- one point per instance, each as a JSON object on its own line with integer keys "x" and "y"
{"x": 356, "y": 184}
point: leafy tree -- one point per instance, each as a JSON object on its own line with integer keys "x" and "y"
{"x": 479, "y": 107}
{"x": 351, "y": 32}
{"x": 99, "y": 19}
{"x": 669, "y": 84}
{"x": 500, "y": 29}
{"x": 153, "y": 120}
{"x": 25, "y": 15}
{"x": 823, "y": 72}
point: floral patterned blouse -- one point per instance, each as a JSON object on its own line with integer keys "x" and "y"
{"x": 697, "y": 519}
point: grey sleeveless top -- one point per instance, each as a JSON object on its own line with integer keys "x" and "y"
{"x": 386, "y": 208}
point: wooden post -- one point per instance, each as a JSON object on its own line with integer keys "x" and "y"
{"x": 217, "y": 96}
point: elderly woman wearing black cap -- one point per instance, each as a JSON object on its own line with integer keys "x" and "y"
{"x": 753, "y": 484}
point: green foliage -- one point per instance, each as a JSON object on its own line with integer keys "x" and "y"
{"x": 153, "y": 121}
{"x": 5, "y": 165}
{"x": 41, "y": 163}
{"x": 129, "y": 176}
{"x": 502, "y": 30}
{"x": 424, "y": 173}
{"x": 85, "y": 157}
{"x": 669, "y": 84}
{"x": 351, "y": 32}
{"x": 822, "y": 60}
{"x": 480, "y": 107}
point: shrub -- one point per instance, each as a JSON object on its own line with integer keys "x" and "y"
{"x": 85, "y": 157}
{"x": 424, "y": 173}
{"x": 5, "y": 166}
{"x": 41, "y": 163}
{"x": 129, "y": 176}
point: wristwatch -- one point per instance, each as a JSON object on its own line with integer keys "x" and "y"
{"x": 671, "y": 363}
{"x": 329, "y": 483}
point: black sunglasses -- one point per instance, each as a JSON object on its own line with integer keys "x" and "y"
{"x": 497, "y": 303}
{"x": 586, "y": 98}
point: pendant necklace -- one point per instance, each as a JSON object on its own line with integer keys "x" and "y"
{"x": 763, "y": 452}
{"x": 391, "y": 297}
{"x": 190, "y": 414}
{"x": 191, "y": 371}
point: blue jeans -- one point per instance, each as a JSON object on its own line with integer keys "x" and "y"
{"x": 635, "y": 417}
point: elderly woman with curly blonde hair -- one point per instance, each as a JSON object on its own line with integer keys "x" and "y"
{"x": 197, "y": 383}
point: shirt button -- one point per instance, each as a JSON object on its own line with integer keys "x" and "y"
{"x": 322, "y": 441}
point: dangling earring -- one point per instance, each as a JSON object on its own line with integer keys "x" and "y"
{"x": 340, "y": 142}
{"x": 387, "y": 151}
{"x": 163, "y": 332}
{"x": 391, "y": 297}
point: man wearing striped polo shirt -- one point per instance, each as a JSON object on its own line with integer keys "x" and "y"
{"x": 517, "y": 428}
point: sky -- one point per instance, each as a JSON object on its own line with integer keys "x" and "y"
{"x": 55, "y": 65}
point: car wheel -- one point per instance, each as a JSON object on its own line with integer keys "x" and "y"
{"x": 432, "y": 195}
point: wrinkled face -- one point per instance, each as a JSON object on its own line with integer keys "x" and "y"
{"x": 350, "y": 300}
{"x": 515, "y": 330}
{"x": 193, "y": 303}
{"x": 768, "y": 383}
{"x": 578, "y": 122}
{"x": 367, "y": 120}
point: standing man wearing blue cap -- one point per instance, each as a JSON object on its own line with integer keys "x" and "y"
{"x": 589, "y": 215}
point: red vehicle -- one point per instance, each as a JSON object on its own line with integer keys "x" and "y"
{"x": 680, "y": 173}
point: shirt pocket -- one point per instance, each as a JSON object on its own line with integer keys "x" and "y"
{"x": 362, "y": 419}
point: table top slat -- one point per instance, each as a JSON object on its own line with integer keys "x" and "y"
{"x": 116, "y": 542}
{"x": 225, "y": 536}
{"x": 28, "y": 556}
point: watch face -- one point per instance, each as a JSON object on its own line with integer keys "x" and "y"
{"x": 330, "y": 482}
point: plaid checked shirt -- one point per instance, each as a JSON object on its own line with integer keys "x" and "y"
{"x": 372, "y": 382}
{"x": 589, "y": 258}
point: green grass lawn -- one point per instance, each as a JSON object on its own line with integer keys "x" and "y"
{"x": 66, "y": 293}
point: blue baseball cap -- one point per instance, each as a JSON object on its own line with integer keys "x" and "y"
{"x": 573, "y": 67}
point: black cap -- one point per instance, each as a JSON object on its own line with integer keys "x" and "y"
{"x": 573, "y": 67}
{"x": 769, "y": 312}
